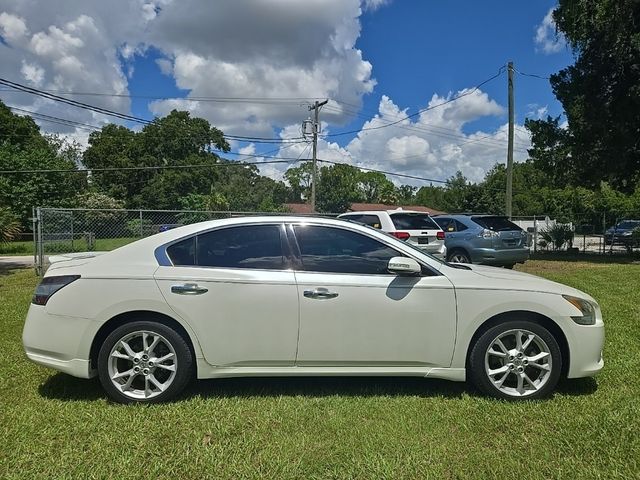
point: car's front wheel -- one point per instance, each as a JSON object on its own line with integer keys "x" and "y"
{"x": 514, "y": 360}
{"x": 144, "y": 362}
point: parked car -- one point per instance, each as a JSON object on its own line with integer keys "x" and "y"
{"x": 168, "y": 226}
{"x": 278, "y": 296}
{"x": 621, "y": 233}
{"x": 416, "y": 228}
{"x": 484, "y": 239}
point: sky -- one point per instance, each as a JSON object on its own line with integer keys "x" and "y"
{"x": 415, "y": 87}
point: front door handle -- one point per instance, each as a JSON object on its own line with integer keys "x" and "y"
{"x": 320, "y": 293}
{"x": 188, "y": 289}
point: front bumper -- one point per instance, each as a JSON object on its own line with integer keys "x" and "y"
{"x": 59, "y": 342}
{"x": 492, "y": 256}
{"x": 585, "y": 346}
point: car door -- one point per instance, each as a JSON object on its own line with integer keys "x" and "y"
{"x": 354, "y": 313}
{"x": 234, "y": 287}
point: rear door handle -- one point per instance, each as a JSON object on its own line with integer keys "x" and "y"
{"x": 320, "y": 293}
{"x": 188, "y": 289}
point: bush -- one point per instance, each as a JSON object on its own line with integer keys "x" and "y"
{"x": 9, "y": 226}
{"x": 558, "y": 236}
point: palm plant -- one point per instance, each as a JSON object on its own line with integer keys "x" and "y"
{"x": 557, "y": 235}
{"x": 9, "y": 226}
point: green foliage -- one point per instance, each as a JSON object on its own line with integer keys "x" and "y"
{"x": 9, "y": 226}
{"x": 140, "y": 228}
{"x": 22, "y": 147}
{"x": 600, "y": 94}
{"x": 338, "y": 188}
{"x": 104, "y": 217}
{"x": 558, "y": 235}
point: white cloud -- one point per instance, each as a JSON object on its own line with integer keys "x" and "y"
{"x": 32, "y": 73}
{"x": 375, "y": 4}
{"x": 547, "y": 40}
{"x": 277, "y": 49}
{"x": 431, "y": 145}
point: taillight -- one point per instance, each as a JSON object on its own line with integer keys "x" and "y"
{"x": 487, "y": 233}
{"x": 50, "y": 285}
{"x": 401, "y": 235}
{"x": 440, "y": 235}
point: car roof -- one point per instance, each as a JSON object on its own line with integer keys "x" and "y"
{"x": 374, "y": 212}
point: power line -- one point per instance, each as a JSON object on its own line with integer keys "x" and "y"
{"x": 258, "y": 100}
{"x": 74, "y": 103}
{"x": 158, "y": 167}
{"x": 452, "y": 99}
{"x": 534, "y": 75}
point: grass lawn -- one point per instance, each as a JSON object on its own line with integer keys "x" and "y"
{"x": 55, "y": 426}
{"x": 51, "y": 248}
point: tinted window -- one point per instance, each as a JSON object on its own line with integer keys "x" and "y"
{"x": 446, "y": 224}
{"x": 326, "y": 249}
{"x": 413, "y": 221}
{"x": 460, "y": 226}
{"x": 628, "y": 224}
{"x": 183, "y": 253}
{"x": 497, "y": 224}
{"x": 371, "y": 220}
{"x": 254, "y": 246}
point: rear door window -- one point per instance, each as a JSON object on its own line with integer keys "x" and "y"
{"x": 496, "y": 224}
{"x": 413, "y": 221}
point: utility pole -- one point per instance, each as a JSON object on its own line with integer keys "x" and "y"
{"x": 509, "y": 196}
{"x": 316, "y": 127}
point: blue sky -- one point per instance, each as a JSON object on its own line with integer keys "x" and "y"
{"x": 377, "y": 60}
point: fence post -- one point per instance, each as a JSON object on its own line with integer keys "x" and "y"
{"x": 72, "y": 249}
{"x": 141, "y": 229}
{"x": 35, "y": 239}
{"x": 535, "y": 235}
{"x": 40, "y": 246}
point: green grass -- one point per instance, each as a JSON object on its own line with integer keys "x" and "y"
{"x": 55, "y": 426}
{"x": 51, "y": 248}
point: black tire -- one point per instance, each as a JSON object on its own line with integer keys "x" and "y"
{"x": 480, "y": 378}
{"x": 509, "y": 266}
{"x": 458, "y": 255}
{"x": 183, "y": 367}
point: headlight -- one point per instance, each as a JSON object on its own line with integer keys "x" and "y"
{"x": 587, "y": 308}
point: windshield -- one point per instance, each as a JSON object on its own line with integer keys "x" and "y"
{"x": 496, "y": 224}
{"x": 413, "y": 221}
{"x": 629, "y": 224}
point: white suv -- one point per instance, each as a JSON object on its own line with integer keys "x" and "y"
{"x": 416, "y": 228}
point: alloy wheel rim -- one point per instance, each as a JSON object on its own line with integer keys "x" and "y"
{"x": 457, "y": 258}
{"x": 518, "y": 363}
{"x": 142, "y": 365}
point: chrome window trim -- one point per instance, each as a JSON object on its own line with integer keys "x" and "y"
{"x": 163, "y": 259}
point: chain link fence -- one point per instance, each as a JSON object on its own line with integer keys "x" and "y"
{"x": 69, "y": 230}
{"x": 597, "y": 233}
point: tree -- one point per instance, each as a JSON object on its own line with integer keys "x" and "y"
{"x": 22, "y": 147}
{"x": 551, "y": 151}
{"x": 600, "y": 94}
{"x": 299, "y": 179}
{"x": 338, "y": 188}
{"x": 376, "y": 188}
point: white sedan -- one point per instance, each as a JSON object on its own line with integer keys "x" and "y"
{"x": 277, "y": 296}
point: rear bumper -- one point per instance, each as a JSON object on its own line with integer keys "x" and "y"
{"x": 439, "y": 251}
{"x": 59, "y": 342}
{"x": 492, "y": 256}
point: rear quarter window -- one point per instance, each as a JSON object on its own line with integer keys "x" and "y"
{"x": 413, "y": 221}
{"x": 496, "y": 224}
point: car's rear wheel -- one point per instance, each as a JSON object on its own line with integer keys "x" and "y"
{"x": 458, "y": 256}
{"x": 516, "y": 360}
{"x": 144, "y": 362}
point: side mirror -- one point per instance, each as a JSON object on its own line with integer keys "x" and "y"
{"x": 404, "y": 266}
